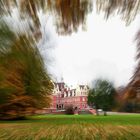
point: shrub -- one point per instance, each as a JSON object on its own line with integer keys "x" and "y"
{"x": 69, "y": 110}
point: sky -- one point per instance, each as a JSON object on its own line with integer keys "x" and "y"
{"x": 105, "y": 50}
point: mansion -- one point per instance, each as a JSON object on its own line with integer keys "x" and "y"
{"x": 64, "y": 96}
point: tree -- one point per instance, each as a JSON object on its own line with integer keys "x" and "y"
{"x": 68, "y": 14}
{"x": 102, "y": 96}
{"x": 127, "y": 9}
{"x": 132, "y": 94}
{"x": 90, "y": 99}
{"x": 24, "y": 82}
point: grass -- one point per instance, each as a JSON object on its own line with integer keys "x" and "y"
{"x": 72, "y": 127}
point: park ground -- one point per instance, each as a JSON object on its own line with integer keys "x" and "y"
{"x": 72, "y": 127}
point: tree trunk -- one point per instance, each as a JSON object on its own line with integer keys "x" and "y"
{"x": 105, "y": 113}
{"x": 97, "y": 113}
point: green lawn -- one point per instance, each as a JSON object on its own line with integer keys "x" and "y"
{"x": 72, "y": 127}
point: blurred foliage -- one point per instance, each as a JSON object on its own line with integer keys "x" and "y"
{"x": 68, "y": 14}
{"x": 130, "y": 106}
{"x": 133, "y": 88}
{"x": 102, "y": 96}
{"x": 127, "y": 9}
{"x": 127, "y": 99}
{"x": 127, "y": 105}
{"x": 24, "y": 82}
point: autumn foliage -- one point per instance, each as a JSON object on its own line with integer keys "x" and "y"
{"x": 24, "y": 82}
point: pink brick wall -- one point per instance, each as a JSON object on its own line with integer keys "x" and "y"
{"x": 77, "y": 101}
